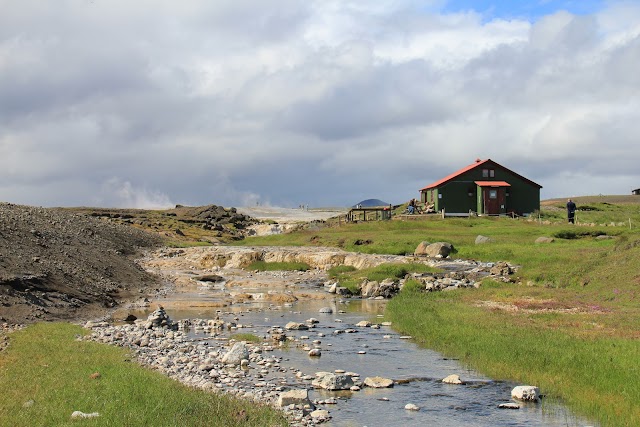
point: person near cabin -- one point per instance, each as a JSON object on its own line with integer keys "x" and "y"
{"x": 412, "y": 206}
{"x": 571, "y": 211}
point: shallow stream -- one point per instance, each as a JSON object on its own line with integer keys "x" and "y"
{"x": 418, "y": 372}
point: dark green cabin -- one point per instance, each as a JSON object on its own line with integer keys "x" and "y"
{"x": 485, "y": 188}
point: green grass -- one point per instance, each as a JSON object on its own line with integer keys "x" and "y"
{"x": 245, "y": 336}
{"x": 596, "y": 375}
{"x": 45, "y": 363}
{"x": 278, "y": 266}
{"x": 569, "y": 322}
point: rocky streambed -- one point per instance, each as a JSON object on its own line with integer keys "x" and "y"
{"x": 284, "y": 339}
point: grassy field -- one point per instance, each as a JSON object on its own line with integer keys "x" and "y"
{"x": 46, "y": 375}
{"x": 569, "y": 322}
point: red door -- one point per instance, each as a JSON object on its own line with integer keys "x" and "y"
{"x": 493, "y": 200}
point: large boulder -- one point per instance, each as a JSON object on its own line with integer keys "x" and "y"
{"x": 434, "y": 250}
{"x": 331, "y": 381}
{"x": 237, "y": 354}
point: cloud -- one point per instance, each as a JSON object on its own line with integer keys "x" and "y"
{"x": 318, "y": 102}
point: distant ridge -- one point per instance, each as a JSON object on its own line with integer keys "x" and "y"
{"x": 370, "y": 203}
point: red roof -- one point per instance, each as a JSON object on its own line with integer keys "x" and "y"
{"x": 474, "y": 165}
{"x": 493, "y": 183}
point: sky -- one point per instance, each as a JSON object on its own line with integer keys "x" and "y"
{"x": 153, "y": 103}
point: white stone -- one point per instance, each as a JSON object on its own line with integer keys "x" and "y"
{"x": 80, "y": 414}
{"x": 315, "y": 352}
{"x": 510, "y": 405}
{"x": 452, "y": 379}
{"x": 526, "y": 392}
{"x": 411, "y": 407}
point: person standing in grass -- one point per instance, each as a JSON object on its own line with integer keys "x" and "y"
{"x": 571, "y": 211}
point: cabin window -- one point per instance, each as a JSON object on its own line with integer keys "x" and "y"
{"x": 493, "y": 194}
{"x": 485, "y": 173}
{"x": 492, "y": 173}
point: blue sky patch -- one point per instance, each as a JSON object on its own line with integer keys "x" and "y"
{"x": 522, "y": 9}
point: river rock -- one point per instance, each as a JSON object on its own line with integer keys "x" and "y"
{"x": 510, "y": 405}
{"x": 452, "y": 379}
{"x": 158, "y": 318}
{"x": 211, "y": 278}
{"x": 320, "y": 414}
{"x": 326, "y": 310}
{"x": 294, "y": 397}
{"x": 526, "y": 392}
{"x": 238, "y": 352}
{"x": 378, "y": 382}
{"x": 411, "y": 407}
{"x": 315, "y": 352}
{"x": 369, "y": 288}
{"x": 501, "y": 269}
{"x": 331, "y": 381}
{"x": 363, "y": 324}
{"x": 295, "y": 326}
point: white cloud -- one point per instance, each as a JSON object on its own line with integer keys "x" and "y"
{"x": 236, "y": 102}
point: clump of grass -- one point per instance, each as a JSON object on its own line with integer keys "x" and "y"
{"x": 246, "y": 336}
{"x": 278, "y": 266}
{"x": 45, "y": 364}
{"x": 339, "y": 270}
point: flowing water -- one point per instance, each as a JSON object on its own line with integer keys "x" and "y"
{"x": 381, "y": 352}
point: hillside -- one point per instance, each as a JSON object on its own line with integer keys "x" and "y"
{"x": 611, "y": 199}
{"x": 69, "y": 263}
{"x": 57, "y": 264}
